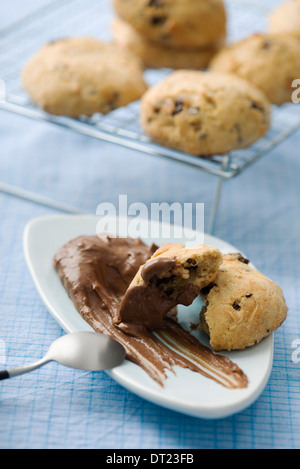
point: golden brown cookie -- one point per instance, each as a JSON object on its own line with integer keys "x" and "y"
{"x": 269, "y": 61}
{"x": 173, "y": 275}
{"x": 204, "y": 113}
{"x": 175, "y": 23}
{"x": 242, "y": 306}
{"x": 83, "y": 76}
{"x": 286, "y": 18}
{"x": 154, "y": 55}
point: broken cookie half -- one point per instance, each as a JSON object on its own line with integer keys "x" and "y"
{"x": 242, "y": 306}
{"x": 173, "y": 275}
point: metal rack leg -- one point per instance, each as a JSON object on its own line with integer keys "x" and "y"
{"x": 216, "y": 202}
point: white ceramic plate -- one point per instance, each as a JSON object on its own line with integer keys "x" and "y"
{"x": 186, "y": 392}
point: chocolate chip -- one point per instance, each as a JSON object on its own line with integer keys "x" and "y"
{"x": 155, "y": 20}
{"x": 155, "y": 3}
{"x": 242, "y": 259}
{"x": 191, "y": 261}
{"x": 255, "y": 105}
{"x": 178, "y": 107}
{"x": 192, "y": 264}
{"x": 236, "y": 306}
{"x": 267, "y": 44}
{"x": 205, "y": 291}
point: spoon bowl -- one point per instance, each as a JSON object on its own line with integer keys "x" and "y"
{"x": 88, "y": 351}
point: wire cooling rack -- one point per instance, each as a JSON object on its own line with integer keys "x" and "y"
{"x": 19, "y": 41}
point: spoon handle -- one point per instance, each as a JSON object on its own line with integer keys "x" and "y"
{"x": 12, "y": 372}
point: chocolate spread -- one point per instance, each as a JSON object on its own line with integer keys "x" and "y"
{"x": 149, "y": 302}
{"x": 96, "y": 272}
{"x": 156, "y": 268}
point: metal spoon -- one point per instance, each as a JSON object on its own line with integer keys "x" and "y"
{"x": 81, "y": 350}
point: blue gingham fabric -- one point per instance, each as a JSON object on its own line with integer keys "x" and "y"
{"x": 57, "y": 407}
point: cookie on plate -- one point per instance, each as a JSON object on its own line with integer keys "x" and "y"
{"x": 242, "y": 306}
{"x": 175, "y": 23}
{"x": 269, "y": 61}
{"x": 173, "y": 275}
{"x": 286, "y": 18}
{"x": 154, "y": 55}
{"x": 83, "y": 76}
{"x": 204, "y": 113}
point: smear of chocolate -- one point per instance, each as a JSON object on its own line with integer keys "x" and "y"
{"x": 96, "y": 271}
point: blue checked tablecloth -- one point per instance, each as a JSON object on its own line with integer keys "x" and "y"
{"x": 56, "y": 407}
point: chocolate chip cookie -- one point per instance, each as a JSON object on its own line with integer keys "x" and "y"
{"x": 154, "y": 55}
{"x": 242, "y": 306}
{"x": 175, "y": 23}
{"x": 204, "y": 113}
{"x": 269, "y": 61}
{"x": 83, "y": 76}
{"x": 173, "y": 275}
